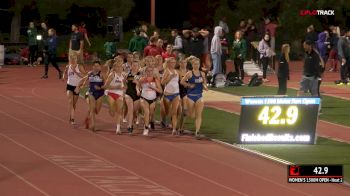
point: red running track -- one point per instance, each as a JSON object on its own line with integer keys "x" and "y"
{"x": 41, "y": 154}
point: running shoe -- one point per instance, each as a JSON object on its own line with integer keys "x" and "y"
{"x": 163, "y": 124}
{"x": 117, "y": 131}
{"x": 44, "y": 77}
{"x": 72, "y": 122}
{"x": 60, "y": 75}
{"x": 130, "y": 129}
{"x": 145, "y": 131}
{"x": 152, "y": 125}
{"x": 86, "y": 122}
{"x": 175, "y": 132}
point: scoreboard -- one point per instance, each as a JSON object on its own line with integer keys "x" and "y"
{"x": 282, "y": 120}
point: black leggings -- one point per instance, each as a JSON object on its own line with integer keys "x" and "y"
{"x": 344, "y": 71}
{"x": 33, "y": 53}
{"x": 282, "y": 85}
{"x": 50, "y": 58}
{"x": 239, "y": 67}
{"x": 264, "y": 63}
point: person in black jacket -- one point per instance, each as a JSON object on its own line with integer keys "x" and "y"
{"x": 283, "y": 70}
{"x": 50, "y": 55}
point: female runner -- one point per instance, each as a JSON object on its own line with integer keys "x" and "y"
{"x": 115, "y": 86}
{"x": 171, "y": 98}
{"x": 183, "y": 93}
{"x": 150, "y": 85}
{"x": 74, "y": 73}
{"x": 195, "y": 82}
{"x": 132, "y": 95}
{"x": 96, "y": 80}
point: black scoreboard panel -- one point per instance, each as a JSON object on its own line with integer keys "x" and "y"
{"x": 282, "y": 120}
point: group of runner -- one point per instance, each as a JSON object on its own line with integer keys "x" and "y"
{"x": 133, "y": 88}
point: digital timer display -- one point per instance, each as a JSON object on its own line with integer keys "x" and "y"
{"x": 315, "y": 173}
{"x": 278, "y": 120}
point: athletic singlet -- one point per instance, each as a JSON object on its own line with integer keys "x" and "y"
{"x": 161, "y": 73}
{"x": 147, "y": 92}
{"x": 131, "y": 86}
{"x": 198, "y": 82}
{"x": 172, "y": 87}
{"x": 95, "y": 80}
{"x": 126, "y": 67}
{"x": 116, "y": 82}
{"x": 182, "y": 89}
{"x": 73, "y": 78}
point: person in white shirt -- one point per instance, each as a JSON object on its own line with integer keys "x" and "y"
{"x": 74, "y": 73}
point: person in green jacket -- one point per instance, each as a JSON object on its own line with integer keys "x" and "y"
{"x": 137, "y": 43}
{"x": 239, "y": 53}
{"x": 110, "y": 48}
{"x": 32, "y": 43}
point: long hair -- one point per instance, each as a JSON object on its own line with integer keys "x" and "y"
{"x": 268, "y": 41}
{"x": 285, "y": 51}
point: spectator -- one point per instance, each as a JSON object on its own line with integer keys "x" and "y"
{"x": 160, "y": 45}
{"x": 311, "y": 35}
{"x": 32, "y": 43}
{"x": 251, "y": 35}
{"x": 169, "y": 52}
{"x": 76, "y": 44}
{"x": 206, "y": 62}
{"x": 216, "y": 51}
{"x": 224, "y": 46}
{"x": 137, "y": 43}
{"x": 83, "y": 31}
{"x": 311, "y": 71}
{"x": 322, "y": 46}
{"x": 156, "y": 33}
{"x": 110, "y": 48}
{"x": 197, "y": 43}
{"x": 283, "y": 70}
{"x": 177, "y": 45}
{"x": 24, "y": 55}
{"x": 223, "y": 25}
{"x": 152, "y": 49}
{"x": 144, "y": 30}
{"x": 50, "y": 55}
{"x": 42, "y": 43}
{"x": 242, "y": 27}
{"x": 271, "y": 28}
{"x": 186, "y": 42}
{"x": 333, "y": 54}
{"x": 344, "y": 56}
{"x": 265, "y": 54}
{"x": 239, "y": 53}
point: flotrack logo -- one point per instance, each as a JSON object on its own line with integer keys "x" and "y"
{"x": 316, "y": 12}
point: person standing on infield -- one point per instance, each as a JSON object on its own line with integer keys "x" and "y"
{"x": 76, "y": 44}
{"x": 311, "y": 71}
{"x": 283, "y": 70}
{"x": 50, "y": 55}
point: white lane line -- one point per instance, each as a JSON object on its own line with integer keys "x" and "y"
{"x": 239, "y": 169}
{"x": 72, "y": 145}
{"x": 24, "y": 180}
{"x": 43, "y": 157}
{"x": 263, "y": 155}
{"x": 150, "y": 156}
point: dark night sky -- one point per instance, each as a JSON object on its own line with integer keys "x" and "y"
{"x": 167, "y": 12}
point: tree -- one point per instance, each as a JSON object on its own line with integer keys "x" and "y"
{"x": 60, "y": 7}
{"x": 16, "y": 8}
